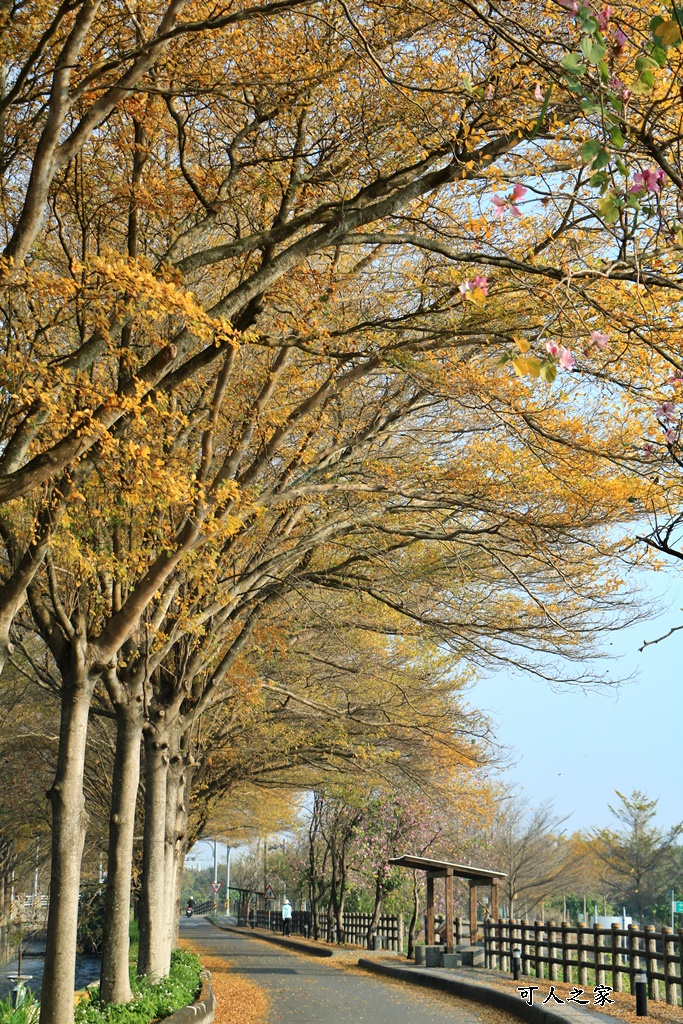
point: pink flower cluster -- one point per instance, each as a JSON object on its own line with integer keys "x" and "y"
{"x": 620, "y": 38}
{"x": 468, "y": 287}
{"x": 572, "y": 7}
{"x": 598, "y": 340}
{"x": 500, "y": 206}
{"x": 562, "y": 354}
{"x": 667, "y": 415}
{"x": 619, "y": 89}
{"x": 604, "y": 17}
{"x": 666, "y": 411}
{"x": 650, "y": 180}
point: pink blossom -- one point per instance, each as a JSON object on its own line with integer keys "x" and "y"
{"x": 648, "y": 450}
{"x": 489, "y": 92}
{"x": 538, "y": 92}
{"x": 509, "y": 203}
{"x": 499, "y": 206}
{"x": 675, "y": 378}
{"x": 567, "y": 360}
{"x": 651, "y": 180}
{"x": 666, "y": 411}
{"x": 481, "y": 282}
{"x": 670, "y": 435}
{"x": 619, "y": 89}
{"x": 604, "y": 17}
{"x": 620, "y": 38}
{"x": 601, "y": 340}
{"x": 552, "y": 348}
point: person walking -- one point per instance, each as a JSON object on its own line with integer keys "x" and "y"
{"x": 286, "y": 916}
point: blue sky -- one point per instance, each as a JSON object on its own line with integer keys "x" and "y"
{"x": 576, "y": 748}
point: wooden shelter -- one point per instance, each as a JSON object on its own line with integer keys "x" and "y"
{"x": 448, "y": 871}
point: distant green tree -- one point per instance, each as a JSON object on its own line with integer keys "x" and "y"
{"x": 639, "y": 858}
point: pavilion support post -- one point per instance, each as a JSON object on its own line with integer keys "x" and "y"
{"x": 494, "y": 899}
{"x": 449, "y": 909}
{"x": 473, "y": 912}
{"x": 429, "y": 937}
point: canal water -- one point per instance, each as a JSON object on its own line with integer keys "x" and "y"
{"x": 33, "y": 963}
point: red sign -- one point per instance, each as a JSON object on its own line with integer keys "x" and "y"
{"x": 216, "y": 886}
{"x": 269, "y": 893}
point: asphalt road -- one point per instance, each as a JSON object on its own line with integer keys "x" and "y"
{"x": 303, "y": 990}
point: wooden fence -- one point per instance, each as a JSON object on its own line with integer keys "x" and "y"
{"x": 590, "y": 955}
{"x": 390, "y": 927}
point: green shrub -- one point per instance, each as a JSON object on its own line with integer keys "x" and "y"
{"x": 151, "y": 1001}
{"x": 27, "y": 1013}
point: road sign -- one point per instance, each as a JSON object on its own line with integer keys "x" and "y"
{"x": 677, "y": 907}
{"x": 269, "y": 893}
{"x": 216, "y": 886}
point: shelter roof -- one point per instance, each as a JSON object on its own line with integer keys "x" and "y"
{"x": 485, "y": 875}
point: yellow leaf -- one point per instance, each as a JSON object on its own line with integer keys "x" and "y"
{"x": 521, "y": 366}
{"x": 669, "y": 32}
{"x": 522, "y": 344}
{"x": 534, "y": 366}
{"x": 476, "y": 295}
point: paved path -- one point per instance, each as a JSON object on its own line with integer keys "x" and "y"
{"x": 303, "y": 990}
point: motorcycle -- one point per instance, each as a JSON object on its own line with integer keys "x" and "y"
{"x": 189, "y": 912}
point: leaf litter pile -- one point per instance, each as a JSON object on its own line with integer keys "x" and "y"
{"x": 239, "y": 1001}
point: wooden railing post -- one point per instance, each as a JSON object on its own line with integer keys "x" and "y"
{"x": 633, "y": 961}
{"x": 598, "y": 944}
{"x": 526, "y": 962}
{"x": 538, "y": 925}
{"x": 668, "y": 961}
{"x": 551, "y": 950}
{"x": 617, "y": 980}
{"x": 516, "y": 939}
{"x": 581, "y": 953}
{"x": 458, "y": 931}
{"x": 566, "y": 967}
{"x": 651, "y": 949}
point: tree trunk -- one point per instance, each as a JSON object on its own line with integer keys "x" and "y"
{"x": 115, "y": 974}
{"x": 379, "y": 893}
{"x": 68, "y": 836}
{"x": 332, "y": 902}
{"x": 174, "y": 785}
{"x": 153, "y": 903}
{"x": 180, "y": 850}
{"x": 341, "y": 898}
{"x": 413, "y": 919}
